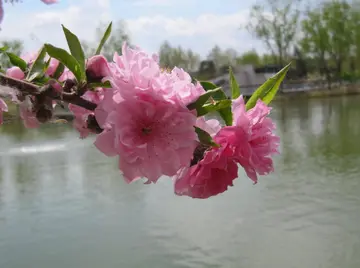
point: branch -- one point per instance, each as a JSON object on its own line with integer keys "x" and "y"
{"x": 43, "y": 114}
{"x": 27, "y": 88}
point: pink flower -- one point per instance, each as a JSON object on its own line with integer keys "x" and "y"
{"x": 27, "y": 115}
{"x": 251, "y": 138}
{"x": 145, "y": 120}
{"x": 211, "y": 126}
{"x": 67, "y": 74}
{"x": 153, "y": 136}
{"x": 184, "y": 88}
{"x": 30, "y": 57}
{"x": 54, "y": 63}
{"x": 48, "y": 2}
{"x": 177, "y": 85}
{"x": 250, "y": 142}
{"x": 97, "y": 67}
{"x": 15, "y": 72}
{"x": 3, "y": 108}
{"x": 133, "y": 67}
{"x": 210, "y": 176}
{"x": 81, "y": 114}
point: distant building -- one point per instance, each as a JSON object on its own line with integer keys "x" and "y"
{"x": 248, "y": 78}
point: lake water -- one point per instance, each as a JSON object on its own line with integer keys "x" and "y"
{"x": 63, "y": 204}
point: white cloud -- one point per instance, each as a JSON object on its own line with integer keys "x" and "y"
{"x": 150, "y": 3}
{"x": 37, "y": 28}
{"x": 200, "y": 33}
{"x": 82, "y": 17}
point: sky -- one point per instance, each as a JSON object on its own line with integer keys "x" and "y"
{"x": 195, "y": 24}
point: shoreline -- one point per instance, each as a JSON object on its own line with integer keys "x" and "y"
{"x": 346, "y": 90}
{"x": 13, "y": 115}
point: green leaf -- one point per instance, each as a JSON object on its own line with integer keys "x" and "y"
{"x": 104, "y": 39}
{"x": 235, "y": 88}
{"x": 205, "y": 137}
{"x": 59, "y": 71}
{"x": 213, "y": 107}
{"x": 208, "y": 85}
{"x": 202, "y": 99}
{"x": 267, "y": 91}
{"x": 75, "y": 48}
{"x": 3, "y": 49}
{"x": 47, "y": 64}
{"x": 41, "y": 80}
{"x": 225, "y": 113}
{"x": 68, "y": 60}
{"x": 105, "y": 84}
{"x": 17, "y": 61}
{"x": 38, "y": 66}
{"x": 220, "y": 95}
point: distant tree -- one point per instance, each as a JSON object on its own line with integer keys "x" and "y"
{"x": 222, "y": 58}
{"x": 177, "y": 56}
{"x": 267, "y": 59}
{"x": 355, "y": 50}
{"x": 165, "y": 55}
{"x": 275, "y": 22}
{"x": 207, "y": 70}
{"x": 329, "y": 35}
{"x": 231, "y": 55}
{"x": 193, "y": 60}
{"x": 249, "y": 57}
{"x": 15, "y": 46}
{"x": 119, "y": 35}
{"x": 300, "y": 63}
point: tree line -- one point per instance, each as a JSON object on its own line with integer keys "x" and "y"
{"x": 323, "y": 38}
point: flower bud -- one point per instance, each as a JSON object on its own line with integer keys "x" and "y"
{"x": 97, "y": 68}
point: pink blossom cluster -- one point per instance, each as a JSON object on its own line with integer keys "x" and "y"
{"x": 250, "y": 142}
{"x": 145, "y": 122}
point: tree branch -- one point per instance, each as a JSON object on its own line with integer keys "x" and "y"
{"x": 28, "y": 88}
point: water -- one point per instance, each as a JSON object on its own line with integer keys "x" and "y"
{"x": 63, "y": 204}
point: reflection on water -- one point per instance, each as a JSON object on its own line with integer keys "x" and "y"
{"x": 63, "y": 204}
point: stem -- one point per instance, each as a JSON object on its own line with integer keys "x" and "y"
{"x": 27, "y": 88}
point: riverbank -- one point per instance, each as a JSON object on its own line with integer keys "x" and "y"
{"x": 345, "y": 90}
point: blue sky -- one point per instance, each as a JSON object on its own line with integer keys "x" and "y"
{"x": 195, "y": 24}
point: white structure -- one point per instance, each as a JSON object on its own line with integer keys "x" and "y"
{"x": 246, "y": 77}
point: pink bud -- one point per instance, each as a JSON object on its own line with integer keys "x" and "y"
{"x": 97, "y": 67}
{"x": 15, "y": 72}
{"x": 52, "y": 66}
